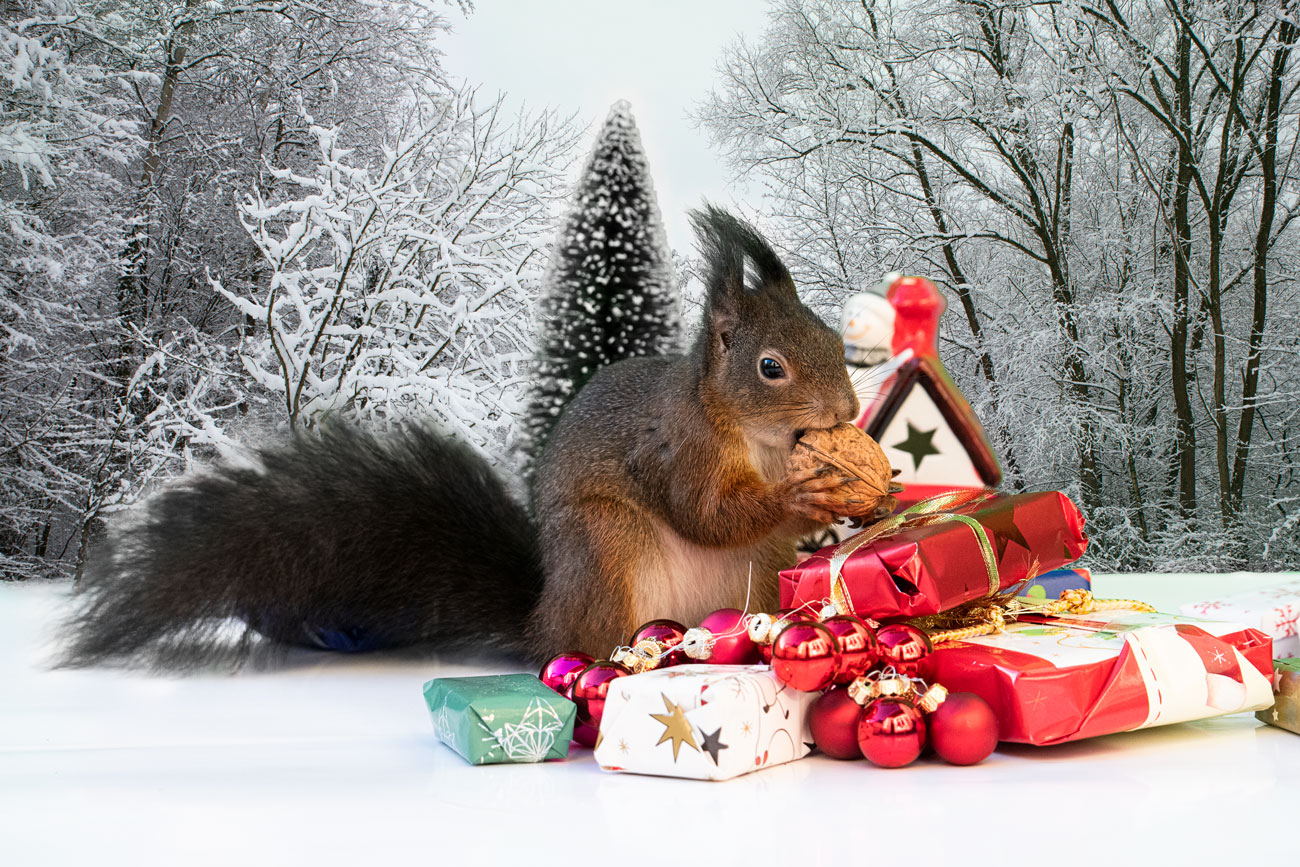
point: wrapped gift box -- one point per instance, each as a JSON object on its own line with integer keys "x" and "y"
{"x": 1285, "y": 712}
{"x": 940, "y": 564}
{"x": 1056, "y": 679}
{"x": 1274, "y": 611}
{"x": 500, "y": 718}
{"x": 1050, "y": 584}
{"x": 704, "y": 722}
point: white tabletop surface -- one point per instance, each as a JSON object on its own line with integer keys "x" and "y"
{"x": 331, "y": 760}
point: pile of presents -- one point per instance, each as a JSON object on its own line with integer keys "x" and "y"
{"x": 1048, "y": 677}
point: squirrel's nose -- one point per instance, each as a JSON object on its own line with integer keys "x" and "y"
{"x": 847, "y": 407}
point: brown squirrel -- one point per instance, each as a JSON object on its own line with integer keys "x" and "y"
{"x": 661, "y": 492}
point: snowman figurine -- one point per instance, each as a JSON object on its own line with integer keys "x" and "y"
{"x": 867, "y": 324}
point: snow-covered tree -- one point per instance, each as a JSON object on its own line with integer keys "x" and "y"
{"x": 1106, "y": 193}
{"x": 221, "y": 89}
{"x": 65, "y": 134}
{"x": 610, "y": 291}
{"x": 402, "y": 289}
{"x": 130, "y": 133}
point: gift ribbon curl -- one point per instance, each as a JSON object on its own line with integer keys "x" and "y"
{"x": 934, "y": 510}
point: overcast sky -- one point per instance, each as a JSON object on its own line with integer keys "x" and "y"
{"x": 583, "y": 55}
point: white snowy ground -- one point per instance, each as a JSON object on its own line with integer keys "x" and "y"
{"x": 332, "y": 761}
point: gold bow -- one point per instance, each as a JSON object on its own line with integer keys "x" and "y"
{"x": 935, "y": 510}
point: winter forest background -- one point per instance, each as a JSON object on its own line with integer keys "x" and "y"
{"x": 223, "y": 218}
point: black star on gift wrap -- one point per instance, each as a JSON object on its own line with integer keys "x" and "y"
{"x": 1001, "y": 524}
{"x": 713, "y": 744}
{"x": 919, "y": 444}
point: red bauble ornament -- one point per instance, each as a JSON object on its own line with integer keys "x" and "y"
{"x": 805, "y": 656}
{"x": 858, "y": 650}
{"x": 891, "y": 732}
{"x": 561, "y": 670}
{"x": 780, "y": 619}
{"x": 737, "y": 649}
{"x": 585, "y": 734}
{"x": 964, "y": 729}
{"x": 833, "y": 719}
{"x": 590, "y": 688}
{"x": 670, "y": 632}
{"x": 903, "y": 646}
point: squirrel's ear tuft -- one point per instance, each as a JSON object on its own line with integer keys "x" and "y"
{"x": 738, "y": 262}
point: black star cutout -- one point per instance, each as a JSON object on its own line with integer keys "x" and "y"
{"x": 919, "y": 444}
{"x": 713, "y": 744}
{"x": 1001, "y": 524}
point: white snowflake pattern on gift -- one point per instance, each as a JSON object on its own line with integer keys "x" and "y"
{"x": 533, "y": 737}
{"x": 1287, "y": 621}
{"x": 443, "y": 728}
{"x": 1275, "y": 610}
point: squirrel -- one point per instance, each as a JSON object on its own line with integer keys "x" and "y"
{"x": 662, "y": 491}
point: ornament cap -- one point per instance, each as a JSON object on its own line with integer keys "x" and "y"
{"x": 934, "y": 696}
{"x": 697, "y": 643}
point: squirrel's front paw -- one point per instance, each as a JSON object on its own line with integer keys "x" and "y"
{"x": 883, "y": 510}
{"x": 821, "y": 494}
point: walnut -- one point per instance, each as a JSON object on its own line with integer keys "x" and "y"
{"x": 849, "y": 450}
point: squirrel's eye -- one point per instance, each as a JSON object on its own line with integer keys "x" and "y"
{"x": 771, "y": 368}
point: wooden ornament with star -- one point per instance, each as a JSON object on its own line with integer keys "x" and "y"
{"x": 920, "y": 418}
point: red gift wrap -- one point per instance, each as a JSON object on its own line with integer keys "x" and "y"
{"x": 935, "y": 564}
{"x": 1057, "y": 679}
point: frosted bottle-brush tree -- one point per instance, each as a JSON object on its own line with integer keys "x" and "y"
{"x": 610, "y": 291}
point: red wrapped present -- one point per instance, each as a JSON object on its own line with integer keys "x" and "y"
{"x": 940, "y": 553}
{"x": 1063, "y": 678}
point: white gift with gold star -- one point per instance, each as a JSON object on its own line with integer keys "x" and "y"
{"x": 703, "y": 722}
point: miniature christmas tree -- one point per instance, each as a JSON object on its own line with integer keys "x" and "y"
{"x": 610, "y": 291}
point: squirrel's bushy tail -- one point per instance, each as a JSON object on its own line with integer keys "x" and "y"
{"x": 340, "y": 540}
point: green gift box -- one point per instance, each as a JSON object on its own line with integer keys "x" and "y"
{"x": 500, "y": 718}
{"x": 1285, "y": 712}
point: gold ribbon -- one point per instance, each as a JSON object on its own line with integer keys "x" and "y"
{"x": 1071, "y": 601}
{"x": 935, "y": 510}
